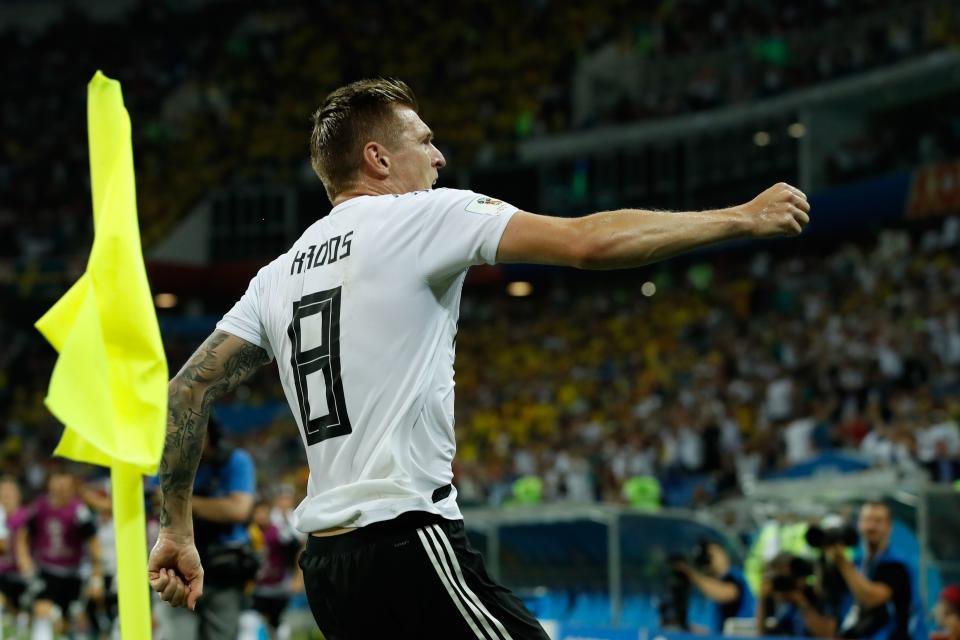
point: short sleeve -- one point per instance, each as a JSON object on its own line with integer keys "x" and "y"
{"x": 238, "y": 474}
{"x": 243, "y": 320}
{"x": 460, "y": 229}
{"x": 896, "y": 576}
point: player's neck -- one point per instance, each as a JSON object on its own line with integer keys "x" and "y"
{"x": 367, "y": 188}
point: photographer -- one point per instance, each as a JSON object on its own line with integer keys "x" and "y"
{"x": 719, "y": 582}
{"x": 789, "y": 605}
{"x": 878, "y": 579}
{"x": 223, "y": 496}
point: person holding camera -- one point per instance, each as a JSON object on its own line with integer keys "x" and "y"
{"x": 223, "y": 497}
{"x": 789, "y": 605}
{"x": 879, "y": 581}
{"x": 720, "y": 582}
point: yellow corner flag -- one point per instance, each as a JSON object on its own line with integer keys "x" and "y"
{"x": 109, "y": 386}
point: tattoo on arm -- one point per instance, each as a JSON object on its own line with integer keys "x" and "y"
{"x": 208, "y": 374}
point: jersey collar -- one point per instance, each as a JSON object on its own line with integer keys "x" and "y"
{"x": 343, "y": 206}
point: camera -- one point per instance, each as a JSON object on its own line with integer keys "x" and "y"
{"x": 820, "y": 538}
{"x": 674, "y": 604}
{"x": 832, "y": 584}
{"x": 789, "y": 569}
{"x": 783, "y": 584}
{"x": 673, "y": 607}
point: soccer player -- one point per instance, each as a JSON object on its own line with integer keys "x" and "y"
{"x": 62, "y": 529}
{"x": 361, "y": 317}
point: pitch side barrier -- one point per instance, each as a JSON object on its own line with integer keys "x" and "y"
{"x": 593, "y": 563}
{"x": 568, "y": 632}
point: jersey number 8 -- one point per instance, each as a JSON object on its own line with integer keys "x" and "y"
{"x": 324, "y": 358}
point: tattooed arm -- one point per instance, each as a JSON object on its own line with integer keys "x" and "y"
{"x": 217, "y": 367}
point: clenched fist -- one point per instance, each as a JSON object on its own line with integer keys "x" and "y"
{"x": 174, "y": 570}
{"x": 781, "y": 210}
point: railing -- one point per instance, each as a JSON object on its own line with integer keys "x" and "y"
{"x": 623, "y": 553}
{"x": 589, "y": 548}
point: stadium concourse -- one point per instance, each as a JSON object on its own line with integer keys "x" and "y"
{"x": 680, "y": 386}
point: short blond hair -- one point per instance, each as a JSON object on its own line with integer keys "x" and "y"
{"x": 349, "y": 118}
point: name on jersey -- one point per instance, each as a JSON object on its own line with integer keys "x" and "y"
{"x": 336, "y": 248}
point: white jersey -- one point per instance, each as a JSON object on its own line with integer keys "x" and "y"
{"x": 361, "y": 316}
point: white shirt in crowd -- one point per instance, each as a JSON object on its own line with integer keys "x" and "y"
{"x": 798, "y": 439}
{"x": 947, "y": 432}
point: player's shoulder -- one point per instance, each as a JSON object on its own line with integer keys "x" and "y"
{"x": 445, "y": 201}
{"x": 267, "y": 274}
{"x": 432, "y": 197}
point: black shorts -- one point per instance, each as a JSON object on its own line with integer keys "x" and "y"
{"x": 60, "y": 590}
{"x": 270, "y": 607}
{"x": 12, "y": 588}
{"x": 415, "y": 576}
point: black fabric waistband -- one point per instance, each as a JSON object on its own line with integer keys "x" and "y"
{"x": 364, "y": 536}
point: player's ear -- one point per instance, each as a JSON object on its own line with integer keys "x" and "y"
{"x": 375, "y": 160}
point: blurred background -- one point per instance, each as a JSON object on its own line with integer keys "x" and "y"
{"x": 606, "y": 421}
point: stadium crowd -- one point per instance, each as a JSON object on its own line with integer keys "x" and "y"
{"x": 733, "y": 371}
{"x": 229, "y": 99}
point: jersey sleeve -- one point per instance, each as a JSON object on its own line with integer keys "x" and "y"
{"x": 244, "y": 319}
{"x": 460, "y": 229}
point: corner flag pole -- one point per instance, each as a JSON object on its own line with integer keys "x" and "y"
{"x": 109, "y": 385}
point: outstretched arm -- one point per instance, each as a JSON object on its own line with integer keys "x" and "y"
{"x": 217, "y": 367}
{"x": 634, "y": 237}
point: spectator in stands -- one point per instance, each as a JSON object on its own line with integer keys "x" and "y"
{"x": 224, "y": 489}
{"x": 789, "y": 605}
{"x": 879, "y": 579}
{"x": 721, "y": 583}
{"x": 944, "y": 468}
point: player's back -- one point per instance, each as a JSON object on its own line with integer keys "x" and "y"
{"x": 361, "y": 315}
